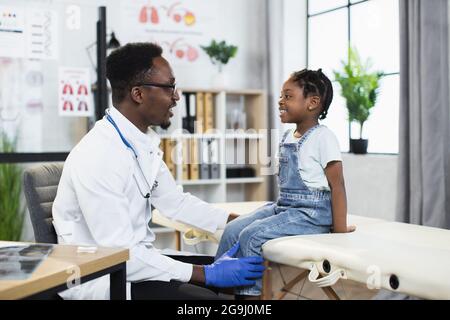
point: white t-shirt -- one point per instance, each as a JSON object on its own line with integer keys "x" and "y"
{"x": 319, "y": 148}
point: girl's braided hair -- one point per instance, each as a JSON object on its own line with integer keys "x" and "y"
{"x": 315, "y": 83}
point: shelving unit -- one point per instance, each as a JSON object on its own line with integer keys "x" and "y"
{"x": 236, "y": 146}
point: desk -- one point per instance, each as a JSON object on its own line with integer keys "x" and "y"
{"x": 52, "y": 274}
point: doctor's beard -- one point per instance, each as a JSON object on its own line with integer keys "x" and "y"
{"x": 165, "y": 125}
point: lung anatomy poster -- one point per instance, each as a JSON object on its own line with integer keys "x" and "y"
{"x": 180, "y": 27}
{"x": 75, "y": 95}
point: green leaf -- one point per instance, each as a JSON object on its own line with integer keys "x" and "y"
{"x": 220, "y": 52}
{"x": 11, "y": 212}
{"x": 359, "y": 87}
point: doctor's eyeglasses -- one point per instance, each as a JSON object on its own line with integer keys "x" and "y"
{"x": 173, "y": 86}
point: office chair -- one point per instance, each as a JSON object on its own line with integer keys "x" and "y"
{"x": 40, "y": 184}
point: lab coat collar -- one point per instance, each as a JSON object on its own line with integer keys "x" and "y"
{"x": 131, "y": 132}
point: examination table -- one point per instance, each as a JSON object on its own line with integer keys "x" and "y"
{"x": 400, "y": 257}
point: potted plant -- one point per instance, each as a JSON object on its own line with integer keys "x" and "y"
{"x": 11, "y": 210}
{"x": 220, "y": 54}
{"x": 360, "y": 88}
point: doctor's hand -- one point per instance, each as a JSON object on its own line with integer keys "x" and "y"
{"x": 228, "y": 271}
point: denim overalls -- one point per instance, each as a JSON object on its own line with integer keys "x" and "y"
{"x": 298, "y": 211}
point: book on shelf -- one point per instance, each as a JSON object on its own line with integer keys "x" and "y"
{"x": 185, "y": 159}
{"x": 208, "y": 114}
{"x": 169, "y": 148}
{"x": 192, "y": 114}
{"x": 188, "y": 110}
{"x": 193, "y": 165}
{"x": 214, "y": 159}
{"x": 199, "y": 121}
{"x": 204, "y": 159}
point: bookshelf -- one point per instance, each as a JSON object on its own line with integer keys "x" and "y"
{"x": 229, "y": 143}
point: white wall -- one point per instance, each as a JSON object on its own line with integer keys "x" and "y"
{"x": 239, "y": 23}
{"x": 287, "y": 47}
{"x": 371, "y": 184}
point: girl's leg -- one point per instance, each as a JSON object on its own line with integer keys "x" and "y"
{"x": 234, "y": 228}
{"x": 286, "y": 223}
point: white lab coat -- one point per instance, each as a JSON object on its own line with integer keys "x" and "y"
{"x": 98, "y": 203}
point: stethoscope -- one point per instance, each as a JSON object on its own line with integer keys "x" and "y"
{"x": 128, "y": 145}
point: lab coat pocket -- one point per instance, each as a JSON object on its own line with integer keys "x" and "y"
{"x": 64, "y": 231}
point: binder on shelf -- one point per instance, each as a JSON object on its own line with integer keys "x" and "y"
{"x": 192, "y": 113}
{"x": 214, "y": 159}
{"x": 193, "y": 165}
{"x": 185, "y": 159}
{"x": 169, "y": 156}
{"x": 185, "y": 111}
{"x": 204, "y": 159}
{"x": 200, "y": 120}
{"x": 209, "y": 112}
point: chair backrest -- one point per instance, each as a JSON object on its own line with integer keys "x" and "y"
{"x": 40, "y": 184}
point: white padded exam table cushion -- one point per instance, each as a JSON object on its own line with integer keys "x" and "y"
{"x": 419, "y": 256}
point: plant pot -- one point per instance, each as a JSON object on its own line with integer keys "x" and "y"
{"x": 359, "y": 146}
{"x": 219, "y": 80}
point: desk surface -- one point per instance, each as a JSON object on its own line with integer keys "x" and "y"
{"x": 58, "y": 267}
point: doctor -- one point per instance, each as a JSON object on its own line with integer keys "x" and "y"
{"x": 115, "y": 173}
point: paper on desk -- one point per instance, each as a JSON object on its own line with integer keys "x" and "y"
{"x": 19, "y": 261}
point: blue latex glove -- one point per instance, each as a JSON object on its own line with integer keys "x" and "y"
{"x": 228, "y": 271}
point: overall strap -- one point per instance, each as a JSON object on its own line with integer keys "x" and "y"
{"x": 285, "y": 135}
{"x": 307, "y": 133}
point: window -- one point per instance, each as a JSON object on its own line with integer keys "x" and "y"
{"x": 372, "y": 27}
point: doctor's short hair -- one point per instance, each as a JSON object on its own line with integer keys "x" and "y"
{"x": 127, "y": 65}
{"x": 315, "y": 83}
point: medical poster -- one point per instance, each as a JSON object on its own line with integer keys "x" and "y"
{"x": 180, "y": 27}
{"x": 11, "y": 94}
{"x": 28, "y": 33}
{"x": 75, "y": 95}
{"x": 33, "y": 98}
{"x": 42, "y": 34}
{"x": 12, "y": 32}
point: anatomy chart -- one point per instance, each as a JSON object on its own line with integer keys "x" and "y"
{"x": 28, "y": 33}
{"x": 12, "y": 32}
{"x": 75, "y": 95}
{"x": 180, "y": 27}
{"x": 42, "y": 34}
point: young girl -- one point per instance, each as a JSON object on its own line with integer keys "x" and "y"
{"x": 312, "y": 192}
